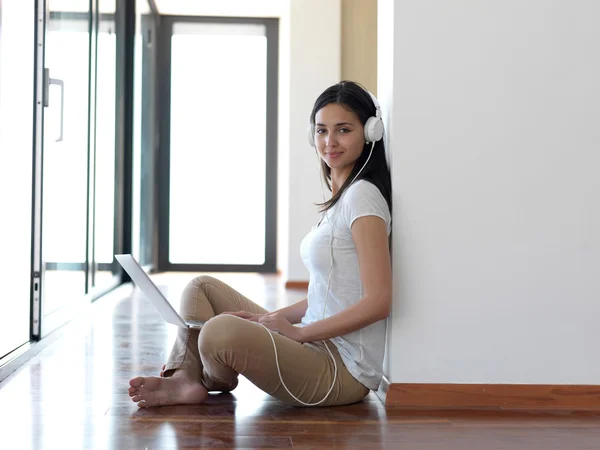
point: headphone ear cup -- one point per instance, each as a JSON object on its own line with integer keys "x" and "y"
{"x": 373, "y": 129}
{"x": 310, "y": 134}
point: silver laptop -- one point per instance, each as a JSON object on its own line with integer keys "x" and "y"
{"x": 151, "y": 291}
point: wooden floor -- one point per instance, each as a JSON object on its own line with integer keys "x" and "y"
{"x": 73, "y": 395}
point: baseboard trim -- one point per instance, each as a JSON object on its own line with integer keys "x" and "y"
{"x": 494, "y": 396}
{"x": 296, "y": 285}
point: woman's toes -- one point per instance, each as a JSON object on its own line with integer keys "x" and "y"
{"x": 154, "y": 399}
{"x": 154, "y": 391}
{"x": 145, "y": 390}
{"x": 136, "y": 382}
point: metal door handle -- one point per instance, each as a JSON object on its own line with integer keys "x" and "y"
{"x": 61, "y": 84}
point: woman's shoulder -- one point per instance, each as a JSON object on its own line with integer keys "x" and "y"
{"x": 365, "y": 198}
{"x": 362, "y": 189}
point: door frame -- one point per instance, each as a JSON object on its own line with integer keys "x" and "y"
{"x": 162, "y": 174}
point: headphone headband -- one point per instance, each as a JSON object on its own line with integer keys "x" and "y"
{"x": 377, "y": 105}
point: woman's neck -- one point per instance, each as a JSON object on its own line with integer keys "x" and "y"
{"x": 338, "y": 178}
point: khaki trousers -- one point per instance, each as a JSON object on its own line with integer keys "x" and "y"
{"x": 227, "y": 346}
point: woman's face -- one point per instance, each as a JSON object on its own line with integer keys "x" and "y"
{"x": 339, "y": 136}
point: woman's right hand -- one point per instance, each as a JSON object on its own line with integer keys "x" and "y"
{"x": 245, "y": 315}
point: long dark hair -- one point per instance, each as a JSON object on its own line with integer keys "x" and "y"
{"x": 354, "y": 97}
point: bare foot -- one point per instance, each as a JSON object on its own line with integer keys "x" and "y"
{"x": 176, "y": 390}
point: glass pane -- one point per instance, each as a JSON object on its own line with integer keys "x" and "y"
{"x": 105, "y": 146}
{"x": 17, "y": 21}
{"x": 65, "y": 192}
{"x": 218, "y": 144}
{"x": 143, "y": 151}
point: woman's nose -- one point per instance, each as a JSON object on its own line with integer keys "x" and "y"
{"x": 330, "y": 140}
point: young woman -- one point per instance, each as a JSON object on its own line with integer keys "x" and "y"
{"x": 335, "y": 355}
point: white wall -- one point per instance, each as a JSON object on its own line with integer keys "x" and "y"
{"x": 315, "y": 64}
{"x": 495, "y": 136}
{"x": 283, "y": 145}
{"x": 309, "y": 62}
{"x": 385, "y": 96}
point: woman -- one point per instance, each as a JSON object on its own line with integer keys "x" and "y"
{"x": 335, "y": 356}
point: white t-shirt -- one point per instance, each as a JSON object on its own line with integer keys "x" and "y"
{"x": 362, "y": 351}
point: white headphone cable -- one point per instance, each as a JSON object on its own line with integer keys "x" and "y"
{"x": 324, "y": 303}
{"x": 335, "y": 369}
{"x": 281, "y": 378}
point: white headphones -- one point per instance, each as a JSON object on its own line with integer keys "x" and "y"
{"x": 373, "y": 126}
{"x": 373, "y": 133}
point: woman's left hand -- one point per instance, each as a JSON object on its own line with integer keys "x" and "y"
{"x": 277, "y": 322}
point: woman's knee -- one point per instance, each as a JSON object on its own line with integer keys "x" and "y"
{"x": 197, "y": 282}
{"x": 223, "y": 333}
{"x": 190, "y": 292}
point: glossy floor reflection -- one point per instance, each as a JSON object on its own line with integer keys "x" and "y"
{"x": 73, "y": 395}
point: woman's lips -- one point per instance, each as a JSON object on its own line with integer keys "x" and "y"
{"x": 334, "y": 154}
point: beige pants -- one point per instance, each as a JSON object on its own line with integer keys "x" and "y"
{"x": 228, "y": 345}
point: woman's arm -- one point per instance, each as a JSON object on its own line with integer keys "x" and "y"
{"x": 370, "y": 237}
{"x": 293, "y": 313}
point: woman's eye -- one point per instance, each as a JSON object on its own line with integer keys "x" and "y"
{"x": 320, "y": 130}
{"x": 344, "y": 130}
